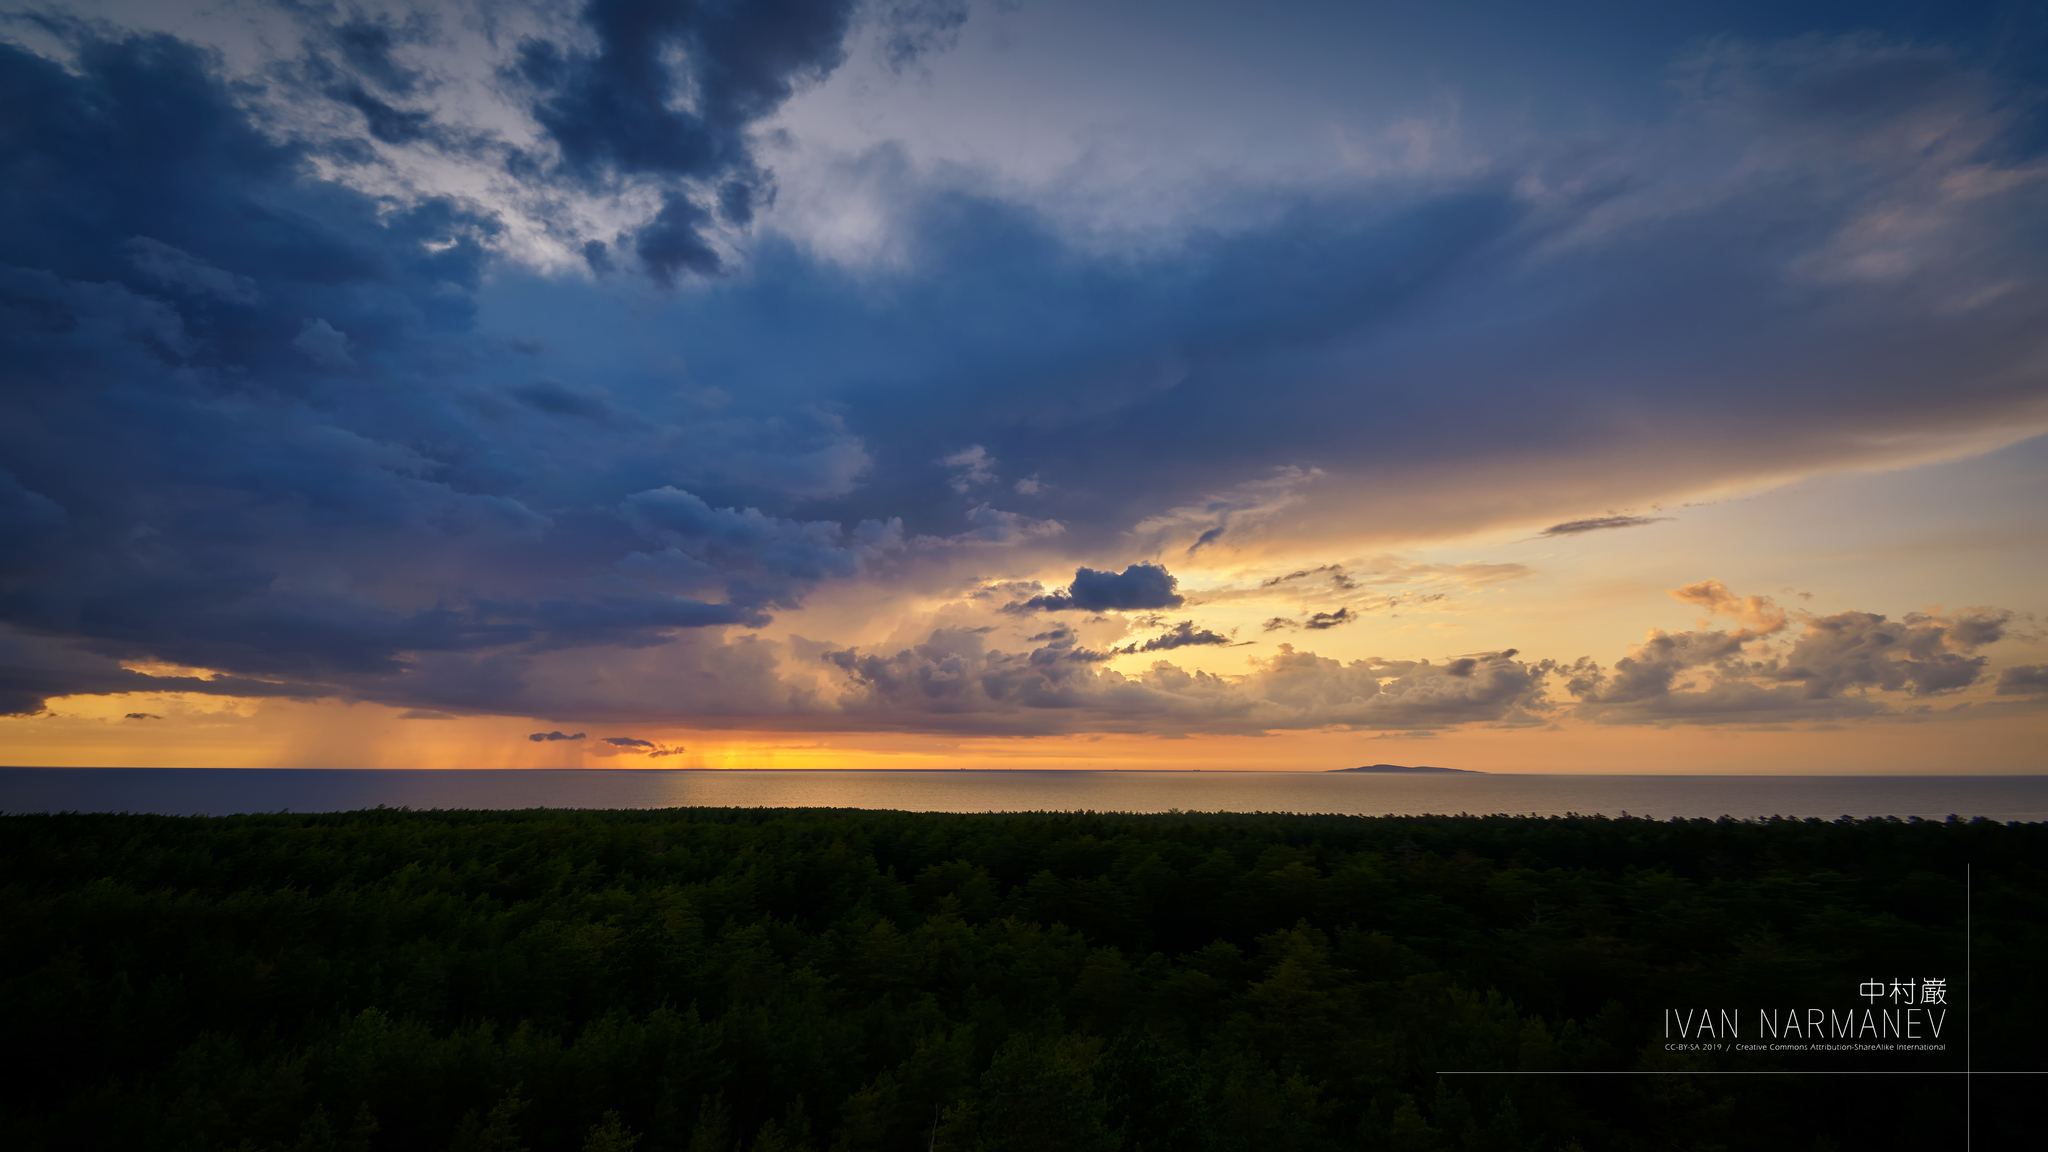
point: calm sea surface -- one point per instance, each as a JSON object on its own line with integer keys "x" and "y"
{"x": 220, "y": 791}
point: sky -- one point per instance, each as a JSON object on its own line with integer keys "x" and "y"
{"x": 1584, "y": 387}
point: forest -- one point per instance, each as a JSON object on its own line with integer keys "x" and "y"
{"x": 724, "y": 980}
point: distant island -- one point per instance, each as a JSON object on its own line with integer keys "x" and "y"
{"x": 1406, "y": 768}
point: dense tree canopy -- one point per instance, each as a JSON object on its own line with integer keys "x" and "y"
{"x": 767, "y": 981}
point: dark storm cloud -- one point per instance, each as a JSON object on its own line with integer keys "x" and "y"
{"x": 1574, "y": 527}
{"x": 248, "y": 421}
{"x": 617, "y": 109}
{"x": 628, "y": 742}
{"x": 670, "y": 90}
{"x": 25, "y": 688}
{"x": 1137, "y": 586}
{"x": 550, "y": 737}
{"x": 673, "y": 242}
{"x": 1471, "y": 345}
{"x": 766, "y": 559}
{"x": 246, "y": 425}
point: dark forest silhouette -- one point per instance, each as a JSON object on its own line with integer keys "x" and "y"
{"x": 710, "y": 979}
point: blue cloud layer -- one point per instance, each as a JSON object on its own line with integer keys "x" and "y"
{"x": 265, "y": 411}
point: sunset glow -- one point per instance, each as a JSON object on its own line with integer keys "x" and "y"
{"x": 1046, "y": 386}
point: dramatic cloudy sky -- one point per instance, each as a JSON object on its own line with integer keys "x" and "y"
{"x": 804, "y": 383}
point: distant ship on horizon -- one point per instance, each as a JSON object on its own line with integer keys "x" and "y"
{"x": 1406, "y": 768}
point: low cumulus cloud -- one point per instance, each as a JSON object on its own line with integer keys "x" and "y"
{"x": 955, "y": 682}
{"x": 1844, "y": 666}
{"x": 551, "y": 737}
{"x": 1834, "y": 668}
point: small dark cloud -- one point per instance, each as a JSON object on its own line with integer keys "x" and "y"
{"x": 182, "y": 270}
{"x": 2023, "y": 680}
{"x": 558, "y": 399}
{"x": 367, "y": 45}
{"x": 548, "y": 737}
{"x": 1138, "y": 586}
{"x": 1181, "y": 635}
{"x": 143, "y": 716}
{"x": 673, "y": 242}
{"x": 390, "y": 124}
{"x": 1574, "y": 527}
{"x": 1338, "y": 577}
{"x": 325, "y": 345}
{"x": 645, "y": 747}
{"x": 1320, "y": 621}
{"x": 1062, "y": 644}
{"x": 425, "y": 714}
{"x": 1209, "y": 537}
{"x": 917, "y": 28}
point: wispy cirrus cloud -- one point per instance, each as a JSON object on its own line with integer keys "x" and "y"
{"x": 1600, "y": 524}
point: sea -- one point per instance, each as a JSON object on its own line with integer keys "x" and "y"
{"x": 226, "y": 791}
